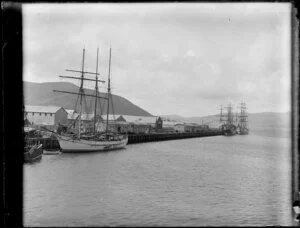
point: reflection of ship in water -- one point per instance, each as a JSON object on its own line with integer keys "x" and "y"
{"x": 242, "y": 120}
{"x": 228, "y": 126}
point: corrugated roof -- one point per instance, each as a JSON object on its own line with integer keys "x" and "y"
{"x": 110, "y": 117}
{"x": 84, "y": 116}
{"x": 71, "y": 114}
{"x": 43, "y": 109}
{"x": 70, "y": 111}
{"x": 140, "y": 119}
{"x": 133, "y": 119}
{"x": 128, "y": 118}
{"x": 170, "y": 123}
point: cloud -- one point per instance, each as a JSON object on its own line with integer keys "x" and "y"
{"x": 215, "y": 68}
{"x": 189, "y": 53}
{"x": 166, "y": 55}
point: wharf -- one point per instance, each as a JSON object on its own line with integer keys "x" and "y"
{"x": 52, "y": 143}
{"x": 49, "y": 143}
{"x": 140, "y": 138}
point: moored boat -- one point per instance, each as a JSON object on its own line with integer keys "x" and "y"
{"x": 75, "y": 145}
{"x": 95, "y": 142}
{"x": 228, "y": 127}
{"x": 51, "y": 152}
{"x": 229, "y": 130}
{"x": 33, "y": 153}
{"x": 33, "y": 149}
{"x": 243, "y": 128}
{"x": 244, "y": 131}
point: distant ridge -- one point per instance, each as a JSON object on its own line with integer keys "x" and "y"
{"x": 42, "y": 94}
{"x": 256, "y": 120}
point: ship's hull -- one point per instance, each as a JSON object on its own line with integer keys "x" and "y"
{"x": 69, "y": 145}
{"x": 244, "y": 131}
{"x": 229, "y": 132}
{"x": 51, "y": 152}
{"x": 34, "y": 153}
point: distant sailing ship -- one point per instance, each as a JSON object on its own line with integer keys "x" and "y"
{"x": 227, "y": 121}
{"x": 96, "y": 141}
{"x": 242, "y": 125}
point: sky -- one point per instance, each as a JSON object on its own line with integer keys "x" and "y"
{"x": 168, "y": 58}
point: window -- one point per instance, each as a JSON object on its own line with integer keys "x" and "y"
{"x": 45, "y": 114}
{"x": 50, "y": 114}
{"x": 33, "y": 114}
{"x": 40, "y": 113}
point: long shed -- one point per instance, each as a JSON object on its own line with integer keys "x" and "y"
{"x": 46, "y": 115}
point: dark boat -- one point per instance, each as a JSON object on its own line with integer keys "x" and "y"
{"x": 33, "y": 149}
{"x": 33, "y": 153}
{"x": 244, "y": 131}
{"x": 228, "y": 127}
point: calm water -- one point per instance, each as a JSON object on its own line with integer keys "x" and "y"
{"x": 213, "y": 181}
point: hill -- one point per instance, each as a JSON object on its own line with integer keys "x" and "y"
{"x": 255, "y": 120}
{"x": 42, "y": 94}
{"x": 269, "y": 124}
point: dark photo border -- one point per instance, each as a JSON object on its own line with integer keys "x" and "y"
{"x": 12, "y": 108}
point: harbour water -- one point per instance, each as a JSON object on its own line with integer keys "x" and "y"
{"x": 244, "y": 180}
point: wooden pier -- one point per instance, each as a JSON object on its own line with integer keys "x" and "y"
{"x": 51, "y": 143}
{"x": 140, "y": 138}
{"x": 48, "y": 143}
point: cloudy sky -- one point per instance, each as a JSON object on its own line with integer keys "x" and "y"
{"x": 179, "y": 58}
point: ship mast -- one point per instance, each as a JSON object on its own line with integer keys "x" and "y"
{"x": 108, "y": 91}
{"x": 81, "y": 93}
{"x": 221, "y": 114}
{"x": 229, "y": 114}
{"x": 96, "y": 89}
{"x": 81, "y": 90}
{"x": 243, "y": 116}
{"x": 236, "y": 117}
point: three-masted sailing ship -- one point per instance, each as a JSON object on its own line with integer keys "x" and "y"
{"x": 227, "y": 120}
{"x": 242, "y": 125}
{"x": 91, "y": 141}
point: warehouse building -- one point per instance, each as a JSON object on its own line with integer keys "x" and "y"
{"x": 133, "y": 124}
{"x": 190, "y": 127}
{"x": 45, "y": 115}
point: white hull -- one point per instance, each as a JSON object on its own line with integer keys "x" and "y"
{"x": 68, "y": 145}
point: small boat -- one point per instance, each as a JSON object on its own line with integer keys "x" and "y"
{"x": 51, "y": 152}
{"x": 33, "y": 149}
{"x": 33, "y": 153}
{"x": 96, "y": 141}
